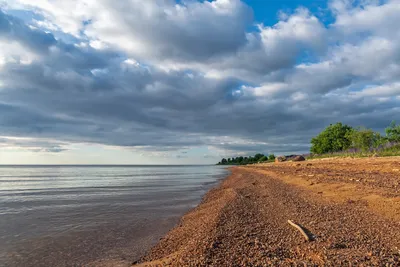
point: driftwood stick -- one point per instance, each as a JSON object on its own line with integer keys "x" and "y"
{"x": 307, "y": 236}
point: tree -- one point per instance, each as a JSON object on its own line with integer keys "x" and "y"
{"x": 364, "y": 139}
{"x": 264, "y": 158}
{"x": 246, "y": 160}
{"x": 271, "y": 157}
{"x": 333, "y": 138}
{"x": 258, "y": 156}
{"x": 393, "y": 132}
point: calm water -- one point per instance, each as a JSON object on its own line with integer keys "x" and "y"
{"x": 75, "y": 215}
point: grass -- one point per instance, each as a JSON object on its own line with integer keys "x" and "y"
{"x": 391, "y": 151}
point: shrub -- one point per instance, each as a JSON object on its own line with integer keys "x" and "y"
{"x": 364, "y": 139}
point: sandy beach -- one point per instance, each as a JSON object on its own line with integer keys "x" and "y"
{"x": 350, "y": 208}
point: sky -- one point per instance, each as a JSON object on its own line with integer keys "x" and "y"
{"x": 190, "y": 82}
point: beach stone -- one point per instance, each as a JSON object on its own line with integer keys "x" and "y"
{"x": 280, "y": 159}
{"x": 298, "y": 158}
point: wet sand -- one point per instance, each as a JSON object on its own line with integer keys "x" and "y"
{"x": 351, "y": 207}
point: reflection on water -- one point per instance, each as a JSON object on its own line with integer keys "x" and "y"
{"x": 47, "y": 213}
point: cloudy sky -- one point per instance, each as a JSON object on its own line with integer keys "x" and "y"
{"x": 187, "y": 81}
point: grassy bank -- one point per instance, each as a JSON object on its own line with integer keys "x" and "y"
{"x": 391, "y": 151}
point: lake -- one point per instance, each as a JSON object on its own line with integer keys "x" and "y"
{"x": 93, "y": 215}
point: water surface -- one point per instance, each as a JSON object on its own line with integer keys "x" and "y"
{"x": 75, "y": 215}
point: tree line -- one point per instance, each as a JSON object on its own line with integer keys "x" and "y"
{"x": 247, "y": 160}
{"x": 340, "y": 138}
{"x": 344, "y": 138}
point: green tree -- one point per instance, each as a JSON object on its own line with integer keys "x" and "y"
{"x": 258, "y": 156}
{"x": 264, "y": 158}
{"x": 333, "y": 138}
{"x": 364, "y": 139}
{"x": 244, "y": 160}
{"x": 393, "y": 132}
{"x": 271, "y": 157}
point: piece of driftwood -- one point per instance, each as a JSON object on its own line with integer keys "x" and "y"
{"x": 307, "y": 234}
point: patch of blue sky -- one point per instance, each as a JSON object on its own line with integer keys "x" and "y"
{"x": 359, "y": 86}
{"x": 38, "y": 21}
{"x": 307, "y": 56}
{"x": 267, "y": 11}
{"x": 26, "y": 16}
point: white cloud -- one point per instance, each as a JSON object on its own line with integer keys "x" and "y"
{"x": 266, "y": 90}
{"x": 66, "y": 15}
{"x": 271, "y": 48}
{"x": 372, "y": 17}
{"x": 301, "y": 28}
{"x": 13, "y": 52}
{"x": 387, "y": 90}
{"x": 96, "y": 44}
{"x": 164, "y": 30}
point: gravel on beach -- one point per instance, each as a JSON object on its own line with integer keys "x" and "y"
{"x": 244, "y": 221}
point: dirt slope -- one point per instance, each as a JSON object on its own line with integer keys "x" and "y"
{"x": 351, "y": 206}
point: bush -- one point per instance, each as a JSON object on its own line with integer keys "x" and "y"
{"x": 271, "y": 157}
{"x": 365, "y": 139}
{"x": 333, "y": 138}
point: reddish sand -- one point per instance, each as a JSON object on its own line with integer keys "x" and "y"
{"x": 351, "y": 206}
